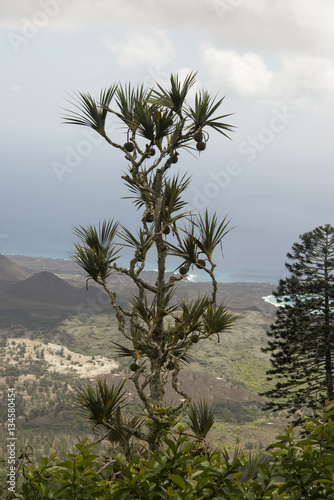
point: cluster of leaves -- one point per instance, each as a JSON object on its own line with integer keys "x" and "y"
{"x": 73, "y": 478}
{"x": 153, "y": 114}
{"x": 294, "y": 467}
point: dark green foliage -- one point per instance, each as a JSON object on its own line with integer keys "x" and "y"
{"x": 210, "y": 235}
{"x": 96, "y": 252}
{"x": 301, "y": 341}
{"x": 211, "y": 232}
{"x": 141, "y": 243}
{"x": 298, "y": 465}
{"x": 73, "y": 478}
{"x": 100, "y": 405}
{"x": 218, "y": 319}
{"x": 92, "y": 114}
{"x": 201, "y": 419}
{"x": 174, "y": 98}
{"x": 201, "y": 113}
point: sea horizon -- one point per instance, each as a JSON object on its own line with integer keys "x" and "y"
{"x": 223, "y": 275}
{"x": 225, "y": 272}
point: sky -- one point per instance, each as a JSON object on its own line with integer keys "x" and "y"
{"x": 272, "y": 60}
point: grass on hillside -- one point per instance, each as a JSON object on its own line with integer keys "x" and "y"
{"x": 237, "y": 357}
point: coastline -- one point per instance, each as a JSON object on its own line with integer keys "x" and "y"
{"x": 238, "y": 295}
{"x": 270, "y": 299}
{"x": 39, "y": 263}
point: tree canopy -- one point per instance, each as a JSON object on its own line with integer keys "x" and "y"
{"x": 301, "y": 341}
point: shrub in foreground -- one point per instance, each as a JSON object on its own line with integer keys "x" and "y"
{"x": 299, "y": 465}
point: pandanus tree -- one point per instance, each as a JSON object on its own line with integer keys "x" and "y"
{"x": 159, "y": 124}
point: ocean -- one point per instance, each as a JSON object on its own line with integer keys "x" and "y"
{"x": 247, "y": 272}
{"x": 271, "y": 299}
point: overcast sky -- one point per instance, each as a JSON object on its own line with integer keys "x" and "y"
{"x": 274, "y": 62}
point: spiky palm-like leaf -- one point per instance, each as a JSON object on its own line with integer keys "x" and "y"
{"x": 201, "y": 114}
{"x": 218, "y": 319}
{"x": 251, "y": 465}
{"x": 201, "y": 419}
{"x": 174, "y": 98}
{"x": 188, "y": 250}
{"x": 176, "y": 140}
{"x": 238, "y": 454}
{"x": 99, "y": 405}
{"x": 141, "y": 308}
{"x": 142, "y": 242}
{"x": 211, "y": 232}
{"x": 144, "y": 117}
{"x": 87, "y": 261}
{"x": 153, "y": 124}
{"x": 117, "y": 434}
{"x": 92, "y": 112}
{"x": 153, "y": 313}
{"x": 164, "y": 124}
{"x": 98, "y": 239}
{"x": 172, "y": 201}
{"x": 124, "y": 352}
{"x": 96, "y": 252}
{"x": 128, "y": 99}
{"x": 164, "y": 308}
{"x": 183, "y": 357}
{"x": 141, "y": 117}
{"x": 143, "y": 196}
{"x": 192, "y": 312}
{"x": 172, "y": 191}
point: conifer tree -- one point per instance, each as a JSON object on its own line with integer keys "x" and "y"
{"x": 160, "y": 124}
{"x": 301, "y": 341}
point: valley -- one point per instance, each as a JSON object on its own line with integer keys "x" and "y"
{"x": 54, "y": 334}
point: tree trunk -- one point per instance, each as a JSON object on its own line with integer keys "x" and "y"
{"x": 156, "y": 389}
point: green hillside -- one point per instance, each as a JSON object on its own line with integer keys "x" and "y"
{"x": 228, "y": 374}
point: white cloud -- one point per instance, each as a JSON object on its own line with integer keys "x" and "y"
{"x": 303, "y": 81}
{"x": 299, "y": 25}
{"x": 311, "y": 74}
{"x": 141, "y": 49}
{"x": 246, "y": 75}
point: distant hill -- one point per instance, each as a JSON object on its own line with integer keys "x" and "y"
{"x": 43, "y": 287}
{"x": 47, "y": 288}
{"x": 11, "y": 272}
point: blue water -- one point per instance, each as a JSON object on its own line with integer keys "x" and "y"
{"x": 61, "y": 250}
{"x": 271, "y": 299}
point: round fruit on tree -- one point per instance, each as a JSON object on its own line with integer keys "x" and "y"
{"x": 149, "y": 217}
{"x": 194, "y": 338}
{"x": 129, "y": 147}
{"x": 198, "y": 136}
{"x": 201, "y": 146}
